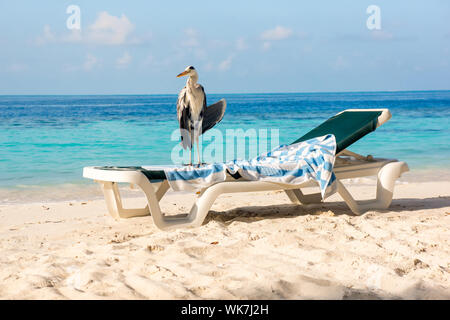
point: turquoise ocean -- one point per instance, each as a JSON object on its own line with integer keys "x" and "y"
{"x": 45, "y": 141}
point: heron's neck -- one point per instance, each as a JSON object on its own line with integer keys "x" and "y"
{"x": 192, "y": 80}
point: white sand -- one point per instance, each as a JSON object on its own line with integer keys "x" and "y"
{"x": 253, "y": 245}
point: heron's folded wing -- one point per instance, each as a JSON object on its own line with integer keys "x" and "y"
{"x": 183, "y": 115}
{"x": 213, "y": 114}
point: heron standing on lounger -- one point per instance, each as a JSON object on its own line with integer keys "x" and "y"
{"x": 191, "y": 107}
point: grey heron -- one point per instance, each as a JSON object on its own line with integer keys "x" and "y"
{"x": 191, "y": 107}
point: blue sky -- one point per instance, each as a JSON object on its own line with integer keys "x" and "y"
{"x": 138, "y": 47}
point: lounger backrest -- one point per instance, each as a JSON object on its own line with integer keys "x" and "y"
{"x": 348, "y": 126}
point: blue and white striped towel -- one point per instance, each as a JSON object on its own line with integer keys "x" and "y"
{"x": 287, "y": 164}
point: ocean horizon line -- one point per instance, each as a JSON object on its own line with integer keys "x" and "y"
{"x": 218, "y": 93}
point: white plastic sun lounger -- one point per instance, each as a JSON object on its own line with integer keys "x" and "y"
{"x": 347, "y": 126}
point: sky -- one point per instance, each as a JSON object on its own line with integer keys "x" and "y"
{"x": 138, "y": 47}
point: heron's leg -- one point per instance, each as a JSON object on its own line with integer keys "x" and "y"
{"x": 198, "y": 131}
{"x": 191, "y": 145}
{"x": 198, "y": 149}
{"x": 198, "y": 154}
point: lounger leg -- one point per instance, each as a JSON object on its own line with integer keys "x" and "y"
{"x": 385, "y": 189}
{"x": 345, "y": 194}
{"x": 297, "y": 197}
{"x": 196, "y": 215}
{"x": 112, "y": 198}
{"x": 114, "y": 201}
{"x": 386, "y": 182}
{"x": 162, "y": 190}
{"x": 200, "y": 209}
{"x": 131, "y": 213}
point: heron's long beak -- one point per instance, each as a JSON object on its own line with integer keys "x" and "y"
{"x": 182, "y": 74}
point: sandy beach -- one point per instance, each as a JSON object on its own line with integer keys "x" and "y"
{"x": 252, "y": 246}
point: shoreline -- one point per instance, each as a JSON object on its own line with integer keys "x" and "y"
{"x": 87, "y": 190}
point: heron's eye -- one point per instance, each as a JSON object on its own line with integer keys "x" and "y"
{"x": 191, "y": 68}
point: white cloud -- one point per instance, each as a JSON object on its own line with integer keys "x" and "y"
{"x": 190, "y": 38}
{"x": 278, "y": 33}
{"x": 381, "y": 35}
{"x": 226, "y": 64}
{"x": 266, "y": 45}
{"x": 73, "y": 36}
{"x": 241, "y": 44}
{"x": 90, "y": 62}
{"x": 123, "y": 61}
{"x": 106, "y": 30}
{"x": 340, "y": 63}
{"x": 209, "y": 67}
{"x": 190, "y": 32}
{"x": 222, "y": 66}
{"x": 110, "y": 30}
{"x": 190, "y": 45}
{"x": 46, "y": 37}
